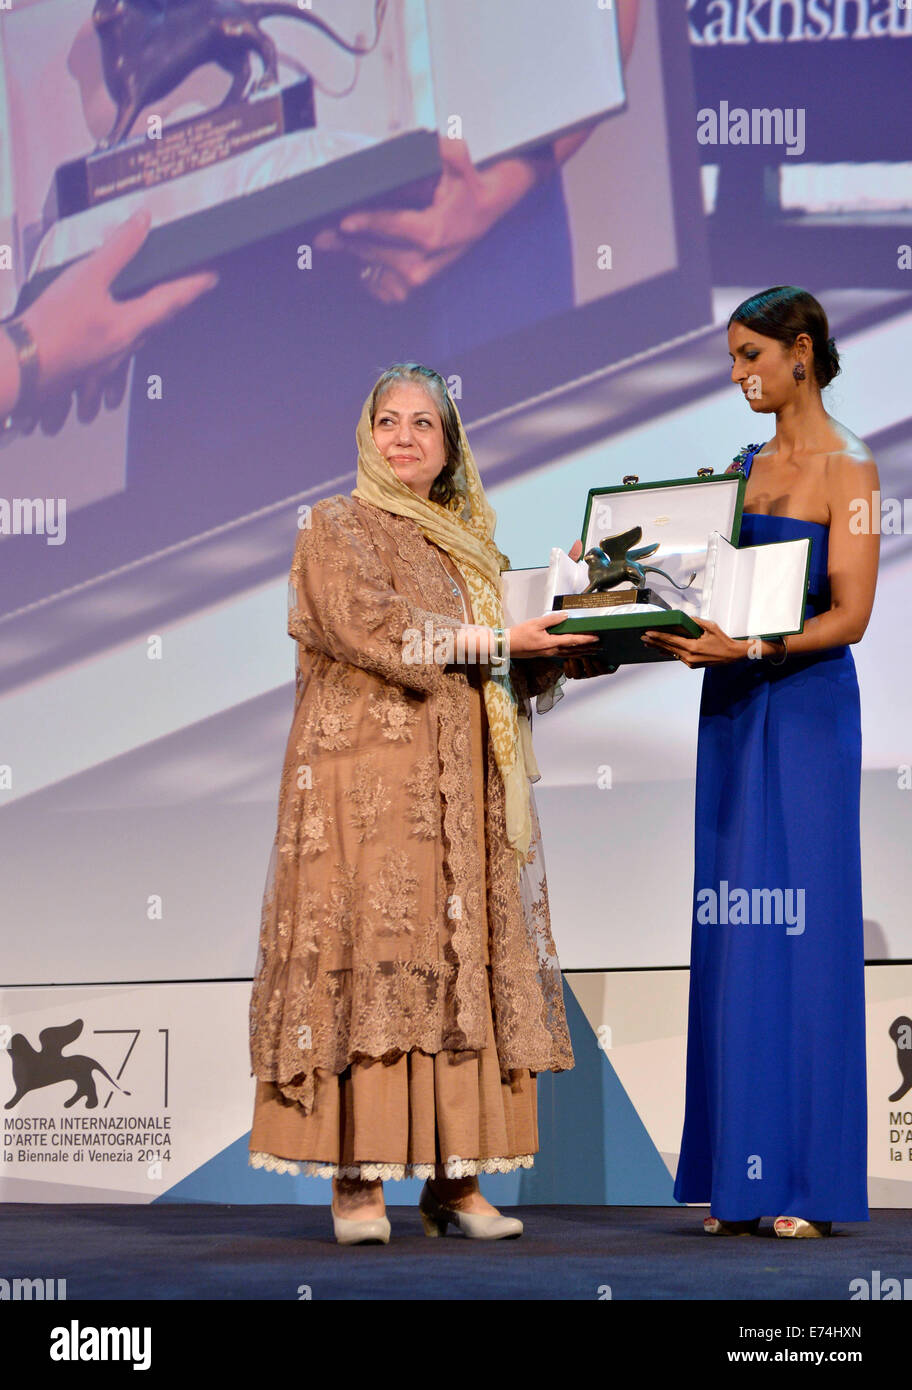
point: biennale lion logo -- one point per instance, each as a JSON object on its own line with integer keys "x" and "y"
{"x": 33, "y": 1069}
{"x": 901, "y": 1033}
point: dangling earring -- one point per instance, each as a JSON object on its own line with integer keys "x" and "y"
{"x": 798, "y": 371}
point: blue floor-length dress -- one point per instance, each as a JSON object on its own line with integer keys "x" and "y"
{"x": 776, "y": 1110}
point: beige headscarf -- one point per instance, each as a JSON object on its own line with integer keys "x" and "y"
{"x": 466, "y": 532}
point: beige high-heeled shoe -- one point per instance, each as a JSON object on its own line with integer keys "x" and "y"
{"x": 435, "y": 1217}
{"x": 372, "y": 1230}
{"x": 797, "y": 1228}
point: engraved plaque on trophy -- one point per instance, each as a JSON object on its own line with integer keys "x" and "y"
{"x": 181, "y": 148}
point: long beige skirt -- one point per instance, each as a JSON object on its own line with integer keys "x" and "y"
{"x": 407, "y": 1117}
{"x": 402, "y": 1119}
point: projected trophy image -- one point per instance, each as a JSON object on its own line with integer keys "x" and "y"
{"x": 256, "y": 160}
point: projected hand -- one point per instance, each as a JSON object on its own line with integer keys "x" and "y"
{"x": 402, "y": 250}
{"x": 85, "y": 337}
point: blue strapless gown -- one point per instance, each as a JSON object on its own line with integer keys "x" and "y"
{"x": 776, "y": 1028}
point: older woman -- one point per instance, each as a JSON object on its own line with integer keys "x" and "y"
{"x": 407, "y": 988}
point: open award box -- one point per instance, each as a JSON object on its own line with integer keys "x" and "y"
{"x": 657, "y": 555}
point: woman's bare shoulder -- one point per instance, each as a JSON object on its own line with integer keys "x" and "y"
{"x": 849, "y": 450}
{"x": 849, "y": 469}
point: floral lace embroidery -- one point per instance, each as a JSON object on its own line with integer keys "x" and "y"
{"x": 315, "y": 823}
{"x": 343, "y": 905}
{"x": 332, "y": 719}
{"x": 387, "y": 1172}
{"x": 369, "y": 797}
{"x": 311, "y": 907}
{"x": 394, "y": 893}
{"x": 392, "y": 711}
{"x": 424, "y": 793}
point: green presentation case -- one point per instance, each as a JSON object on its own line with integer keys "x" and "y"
{"x": 685, "y": 517}
{"x": 620, "y": 638}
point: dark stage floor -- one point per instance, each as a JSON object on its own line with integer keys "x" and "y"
{"x": 201, "y": 1251}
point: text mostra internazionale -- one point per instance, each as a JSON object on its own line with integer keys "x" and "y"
{"x": 39, "y": 1122}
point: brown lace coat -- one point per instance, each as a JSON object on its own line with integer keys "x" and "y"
{"x": 376, "y": 847}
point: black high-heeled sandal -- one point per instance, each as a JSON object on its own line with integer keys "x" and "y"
{"x": 714, "y": 1227}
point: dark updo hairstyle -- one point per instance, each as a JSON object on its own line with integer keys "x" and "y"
{"x": 785, "y": 311}
{"x": 443, "y": 489}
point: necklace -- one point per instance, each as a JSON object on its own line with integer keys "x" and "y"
{"x": 453, "y": 585}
